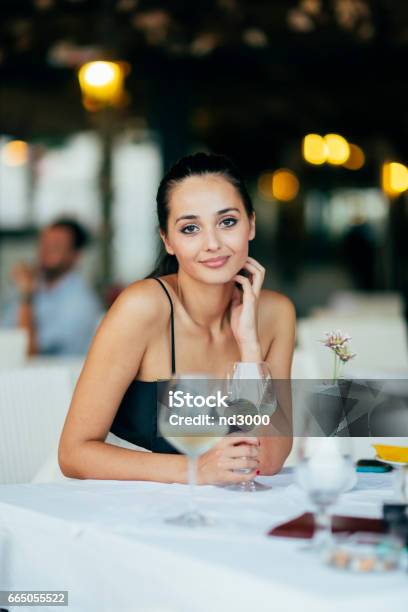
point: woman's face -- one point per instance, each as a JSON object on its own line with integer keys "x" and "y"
{"x": 208, "y": 228}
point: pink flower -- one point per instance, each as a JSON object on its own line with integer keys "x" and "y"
{"x": 338, "y": 343}
{"x": 335, "y": 339}
{"x": 343, "y": 354}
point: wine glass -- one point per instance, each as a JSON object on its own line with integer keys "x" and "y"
{"x": 325, "y": 469}
{"x": 252, "y": 401}
{"x": 189, "y": 420}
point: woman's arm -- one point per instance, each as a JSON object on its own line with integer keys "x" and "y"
{"x": 267, "y": 310}
{"x": 112, "y": 362}
{"x": 274, "y": 449}
{"x": 111, "y": 365}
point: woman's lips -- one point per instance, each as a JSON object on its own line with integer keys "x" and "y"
{"x": 216, "y": 262}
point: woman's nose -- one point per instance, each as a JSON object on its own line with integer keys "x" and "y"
{"x": 212, "y": 241}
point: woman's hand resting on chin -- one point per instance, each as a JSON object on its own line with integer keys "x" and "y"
{"x": 230, "y": 453}
{"x": 244, "y": 310}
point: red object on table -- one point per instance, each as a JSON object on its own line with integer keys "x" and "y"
{"x": 303, "y": 526}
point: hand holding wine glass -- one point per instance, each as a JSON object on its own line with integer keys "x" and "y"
{"x": 232, "y": 460}
{"x": 193, "y": 428}
{"x": 252, "y": 401}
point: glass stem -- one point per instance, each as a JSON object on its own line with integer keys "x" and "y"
{"x": 192, "y": 481}
{"x": 246, "y": 483}
{"x": 322, "y": 532}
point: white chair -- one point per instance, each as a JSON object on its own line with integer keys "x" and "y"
{"x": 49, "y": 470}
{"x": 74, "y": 364}
{"x": 33, "y": 406}
{"x": 13, "y": 348}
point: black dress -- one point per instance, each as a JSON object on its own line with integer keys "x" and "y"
{"x": 136, "y": 418}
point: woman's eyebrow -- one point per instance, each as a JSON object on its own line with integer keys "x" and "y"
{"x": 219, "y": 212}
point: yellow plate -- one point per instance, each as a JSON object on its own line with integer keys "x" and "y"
{"x": 392, "y": 453}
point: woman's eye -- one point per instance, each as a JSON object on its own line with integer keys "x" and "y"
{"x": 188, "y": 229}
{"x": 229, "y": 222}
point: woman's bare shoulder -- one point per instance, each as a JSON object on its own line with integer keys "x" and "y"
{"x": 275, "y": 306}
{"x": 143, "y": 299}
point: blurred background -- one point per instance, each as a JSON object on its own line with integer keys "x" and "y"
{"x": 99, "y": 98}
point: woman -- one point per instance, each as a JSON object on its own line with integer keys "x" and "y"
{"x": 206, "y": 221}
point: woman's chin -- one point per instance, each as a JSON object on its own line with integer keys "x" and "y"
{"x": 217, "y": 276}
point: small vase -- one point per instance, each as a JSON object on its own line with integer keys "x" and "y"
{"x": 327, "y": 405}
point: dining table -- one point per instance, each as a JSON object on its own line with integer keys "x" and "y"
{"x": 108, "y": 545}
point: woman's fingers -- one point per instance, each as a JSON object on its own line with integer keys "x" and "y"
{"x": 234, "y": 439}
{"x": 254, "y": 285}
{"x": 246, "y": 285}
{"x": 255, "y": 263}
{"x": 233, "y": 452}
{"x": 258, "y": 274}
{"x": 241, "y": 463}
{"x": 242, "y": 454}
{"x": 243, "y": 450}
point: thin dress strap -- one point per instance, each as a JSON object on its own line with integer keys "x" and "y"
{"x": 173, "y": 350}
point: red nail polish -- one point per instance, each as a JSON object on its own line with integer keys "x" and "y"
{"x": 258, "y": 471}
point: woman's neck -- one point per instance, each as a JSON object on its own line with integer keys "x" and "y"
{"x": 207, "y": 305}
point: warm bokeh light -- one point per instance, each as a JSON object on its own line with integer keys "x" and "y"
{"x": 338, "y": 149}
{"x": 314, "y": 149}
{"x": 265, "y": 185}
{"x": 394, "y": 178}
{"x": 15, "y": 153}
{"x": 285, "y": 185}
{"x": 101, "y": 83}
{"x": 282, "y": 185}
{"x": 356, "y": 159}
{"x": 99, "y": 74}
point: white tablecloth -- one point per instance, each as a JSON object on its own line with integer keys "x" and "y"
{"x": 106, "y": 543}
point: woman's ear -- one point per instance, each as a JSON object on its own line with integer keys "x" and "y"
{"x": 252, "y": 220}
{"x": 166, "y": 243}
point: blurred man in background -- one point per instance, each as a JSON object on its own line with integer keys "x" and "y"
{"x": 53, "y": 302}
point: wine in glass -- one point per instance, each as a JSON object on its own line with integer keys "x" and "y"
{"x": 252, "y": 401}
{"x": 191, "y": 424}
